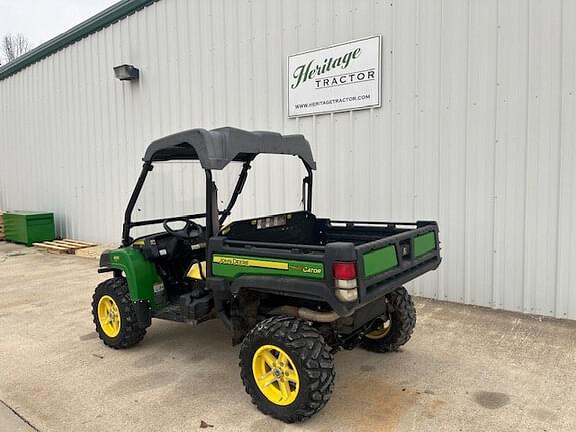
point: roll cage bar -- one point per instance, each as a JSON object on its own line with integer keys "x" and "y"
{"x": 232, "y": 145}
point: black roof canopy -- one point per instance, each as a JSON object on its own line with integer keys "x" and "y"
{"x": 216, "y": 148}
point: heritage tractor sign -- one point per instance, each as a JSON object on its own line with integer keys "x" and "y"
{"x": 341, "y": 77}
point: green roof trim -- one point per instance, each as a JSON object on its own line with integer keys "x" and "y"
{"x": 108, "y": 16}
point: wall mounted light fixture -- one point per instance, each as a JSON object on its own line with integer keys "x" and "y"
{"x": 126, "y": 72}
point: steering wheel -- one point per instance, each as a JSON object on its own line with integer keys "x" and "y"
{"x": 191, "y": 229}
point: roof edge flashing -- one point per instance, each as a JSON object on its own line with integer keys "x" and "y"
{"x": 107, "y": 17}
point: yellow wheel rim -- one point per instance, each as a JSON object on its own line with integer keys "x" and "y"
{"x": 109, "y": 316}
{"x": 381, "y": 331}
{"x": 275, "y": 375}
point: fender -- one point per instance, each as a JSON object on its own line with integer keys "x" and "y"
{"x": 140, "y": 274}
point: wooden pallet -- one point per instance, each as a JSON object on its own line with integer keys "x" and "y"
{"x": 94, "y": 252}
{"x": 65, "y": 246}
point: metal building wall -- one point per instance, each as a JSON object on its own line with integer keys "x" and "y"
{"x": 476, "y": 129}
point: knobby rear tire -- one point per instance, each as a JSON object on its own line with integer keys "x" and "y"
{"x": 402, "y": 321}
{"x": 311, "y": 356}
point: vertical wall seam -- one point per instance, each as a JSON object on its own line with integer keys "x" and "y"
{"x": 351, "y": 123}
{"x": 415, "y": 110}
{"x": 527, "y": 122}
{"x": 416, "y": 121}
{"x": 200, "y": 68}
{"x": 179, "y": 63}
{"x": 392, "y": 101}
{"x": 494, "y": 140}
{"x": 440, "y": 274}
{"x": 212, "y": 62}
{"x": 467, "y": 242}
{"x": 225, "y": 61}
{"x": 251, "y": 50}
{"x": 266, "y": 96}
{"x": 371, "y": 176}
{"x": 559, "y": 162}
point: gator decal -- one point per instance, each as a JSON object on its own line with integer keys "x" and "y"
{"x": 423, "y": 244}
{"x": 232, "y": 266}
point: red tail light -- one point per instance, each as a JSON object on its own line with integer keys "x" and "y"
{"x": 344, "y": 270}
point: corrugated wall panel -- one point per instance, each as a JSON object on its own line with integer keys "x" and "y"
{"x": 510, "y": 152}
{"x": 476, "y": 128}
{"x": 480, "y": 112}
{"x": 453, "y": 145}
{"x": 427, "y": 139}
{"x": 541, "y": 230}
{"x": 565, "y": 301}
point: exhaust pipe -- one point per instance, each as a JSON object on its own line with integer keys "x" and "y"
{"x": 306, "y": 314}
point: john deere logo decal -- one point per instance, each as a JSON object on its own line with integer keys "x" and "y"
{"x": 247, "y": 262}
{"x": 232, "y": 265}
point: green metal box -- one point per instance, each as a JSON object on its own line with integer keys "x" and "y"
{"x": 29, "y": 227}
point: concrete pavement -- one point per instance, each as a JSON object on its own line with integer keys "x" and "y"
{"x": 466, "y": 368}
{"x": 10, "y": 421}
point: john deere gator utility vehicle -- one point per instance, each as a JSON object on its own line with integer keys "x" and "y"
{"x": 292, "y": 288}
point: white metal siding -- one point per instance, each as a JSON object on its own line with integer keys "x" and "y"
{"x": 476, "y": 128}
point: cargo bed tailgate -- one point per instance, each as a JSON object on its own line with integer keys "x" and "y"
{"x": 392, "y": 261}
